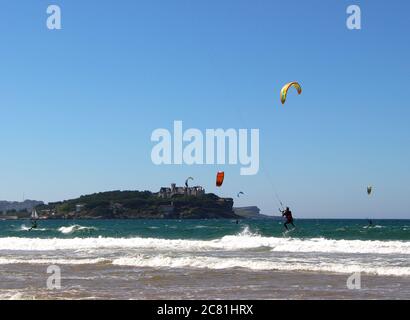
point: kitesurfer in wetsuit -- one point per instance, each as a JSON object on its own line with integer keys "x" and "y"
{"x": 289, "y": 219}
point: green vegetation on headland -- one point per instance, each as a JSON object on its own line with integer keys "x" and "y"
{"x": 139, "y": 205}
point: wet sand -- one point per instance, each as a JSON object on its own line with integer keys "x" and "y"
{"x": 105, "y": 281}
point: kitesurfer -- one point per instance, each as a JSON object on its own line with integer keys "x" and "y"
{"x": 33, "y": 225}
{"x": 289, "y": 218}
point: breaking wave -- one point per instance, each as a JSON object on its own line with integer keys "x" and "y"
{"x": 242, "y": 241}
{"x": 247, "y": 249}
{"x": 215, "y": 263}
{"x": 74, "y": 228}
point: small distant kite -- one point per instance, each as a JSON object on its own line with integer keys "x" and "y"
{"x": 239, "y": 193}
{"x": 186, "y": 181}
{"x": 369, "y": 190}
{"x": 284, "y": 91}
{"x": 220, "y": 178}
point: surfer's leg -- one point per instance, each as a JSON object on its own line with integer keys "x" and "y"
{"x": 286, "y": 225}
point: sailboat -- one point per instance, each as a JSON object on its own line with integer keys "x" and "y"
{"x": 34, "y": 215}
{"x": 33, "y": 218}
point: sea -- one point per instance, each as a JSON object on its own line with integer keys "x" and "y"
{"x": 205, "y": 259}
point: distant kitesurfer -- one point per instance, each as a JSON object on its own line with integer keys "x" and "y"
{"x": 370, "y": 222}
{"x": 289, "y": 219}
{"x": 33, "y": 225}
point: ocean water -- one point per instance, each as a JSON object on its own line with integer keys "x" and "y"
{"x": 170, "y": 259}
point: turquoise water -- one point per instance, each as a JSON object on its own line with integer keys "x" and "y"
{"x": 209, "y": 229}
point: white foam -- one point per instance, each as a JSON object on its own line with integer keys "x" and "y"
{"x": 23, "y": 227}
{"x": 14, "y": 295}
{"x": 373, "y": 227}
{"x": 218, "y": 263}
{"x": 161, "y": 261}
{"x": 227, "y": 243}
{"x": 50, "y": 261}
{"x": 74, "y": 228}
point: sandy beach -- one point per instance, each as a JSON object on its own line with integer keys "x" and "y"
{"x": 105, "y": 282}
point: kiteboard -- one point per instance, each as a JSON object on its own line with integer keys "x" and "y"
{"x": 288, "y": 232}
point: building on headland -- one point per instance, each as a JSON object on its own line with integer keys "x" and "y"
{"x": 79, "y": 207}
{"x": 166, "y": 192}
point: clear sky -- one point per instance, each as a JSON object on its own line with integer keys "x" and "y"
{"x": 78, "y": 105}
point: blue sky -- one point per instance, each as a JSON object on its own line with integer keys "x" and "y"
{"x": 78, "y": 105}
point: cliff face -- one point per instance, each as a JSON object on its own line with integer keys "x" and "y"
{"x": 251, "y": 212}
{"x": 138, "y": 205}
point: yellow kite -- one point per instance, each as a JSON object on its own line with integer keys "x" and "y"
{"x": 284, "y": 91}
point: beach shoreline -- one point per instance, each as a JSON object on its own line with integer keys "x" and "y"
{"x": 103, "y": 281}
